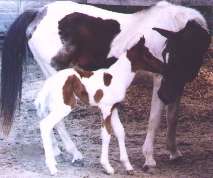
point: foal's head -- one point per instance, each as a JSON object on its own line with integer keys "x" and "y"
{"x": 142, "y": 59}
{"x": 185, "y": 50}
{"x": 86, "y": 42}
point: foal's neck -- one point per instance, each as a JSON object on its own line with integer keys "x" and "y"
{"x": 123, "y": 64}
{"x": 122, "y": 69}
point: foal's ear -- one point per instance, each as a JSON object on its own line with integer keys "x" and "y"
{"x": 165, "y": 33}
{"x": 140, "y": 44}
{"x": 142, "y": 41}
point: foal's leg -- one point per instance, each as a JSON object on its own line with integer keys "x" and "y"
{"x": 154, "y": 120}
{"x": 56, "y": 149}
{"x": 105, "y": 135}
{"x": 68, "y": 143}
{"x": 172, "y": 116}
{"x": 105, "y": 151}
{"x": 120, "y": 134}
{"x": 46, "y": 126}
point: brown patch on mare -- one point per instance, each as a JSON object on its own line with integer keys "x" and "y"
{"x": 73, "y": 87}
{"x": 86, "y": 42}
{"x": 84, "y": 73}
{"x": 107, "y": 79}
{"x": 98, "y": 95}
{"x": 141, "y": 59}
{"x": 61, "y": 59}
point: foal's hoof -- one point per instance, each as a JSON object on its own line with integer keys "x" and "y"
{"x": 109, "y": 170}
{"x": 77, "y": 156}
{"x": 130, "y": 172}
{"x": 78, "y": 163}
{"x": 53, "y": 170}
{"x": 78, "y": 160}
{"x": 57, "y": 152}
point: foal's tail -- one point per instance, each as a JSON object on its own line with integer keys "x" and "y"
{"x": 13, "y": 55}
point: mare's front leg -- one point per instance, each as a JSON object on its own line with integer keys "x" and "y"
{"x": 172, "y": 116}
{"x": 120, "y": 134}
{"x": 154, "y": 120}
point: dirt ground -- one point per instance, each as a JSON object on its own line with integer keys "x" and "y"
{"x": 22, "y": 155}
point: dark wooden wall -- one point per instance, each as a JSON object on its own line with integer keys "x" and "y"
{"x": 10, "y": 9}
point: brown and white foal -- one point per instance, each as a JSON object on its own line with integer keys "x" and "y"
{"x": 103, "y": 88}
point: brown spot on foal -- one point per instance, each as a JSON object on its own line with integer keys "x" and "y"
{"x": 68, "y": 92}
{"x": 107, "y": 79}
{"x": 107, "y": 122}
{"x": 73, "y": 87}
{"x": 98, "y": 95}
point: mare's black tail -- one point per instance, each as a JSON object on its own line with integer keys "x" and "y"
{"x": 13, "y": 54}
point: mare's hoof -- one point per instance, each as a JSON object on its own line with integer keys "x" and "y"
{"x": 176, "y": 156}
{"x": 145, "y": 168}
{"x": 176, "y": 160}
{"x": 130, "y": 172}
{"x": 149, "y": 169}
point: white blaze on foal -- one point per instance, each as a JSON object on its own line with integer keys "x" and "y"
{"x": 103, "y": 88}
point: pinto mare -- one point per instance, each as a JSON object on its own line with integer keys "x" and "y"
{"x": 103, "y": 88}
{"x": 40, "y": 30}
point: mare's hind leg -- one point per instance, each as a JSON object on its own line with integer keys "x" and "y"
{"x": 120, "y": 134}
{"x": 68, "y": 143}
{"x": 172, "y": 116}
{"x": 46, "y": 126}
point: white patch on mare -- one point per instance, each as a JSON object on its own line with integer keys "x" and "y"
{"x": 164, "y": 15}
